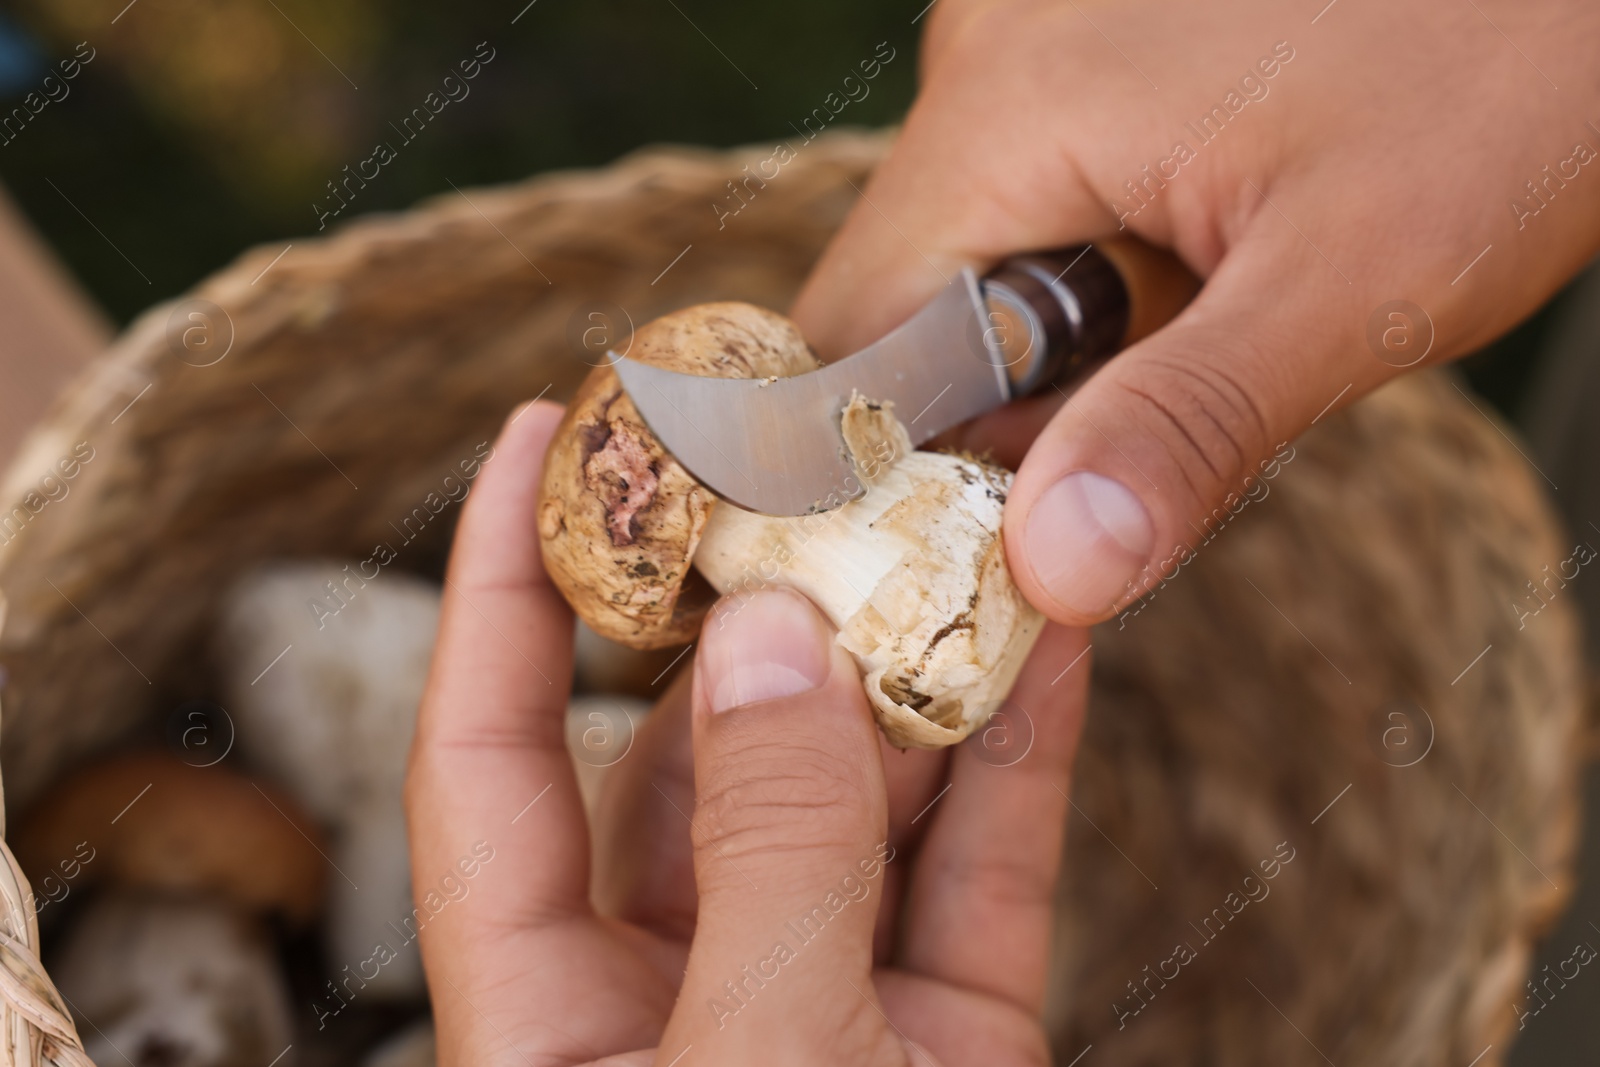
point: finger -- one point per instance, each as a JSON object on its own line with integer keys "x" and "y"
{"x": 790, "y": 821}
{"x": 644, "y": 872}
{"x": 935, "y": 204}
{"x": 981, "y": 905}
{"x": 1161, "y": 448}
{"x": 644, "y": 869}
{"x": 913, "y": 778}
{"x": 489, "y": 762}
{"x": 958, "y": 1026}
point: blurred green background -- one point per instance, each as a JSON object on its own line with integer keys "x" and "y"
{"x": 201, "y": 128}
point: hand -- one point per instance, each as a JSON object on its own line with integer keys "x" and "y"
{"x": 1312, "y": 163}
{"x": 916, "y": 926}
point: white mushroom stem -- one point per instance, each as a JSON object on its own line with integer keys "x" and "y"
{"x": 913, "y": 574}
{"x": 325, "y": 670}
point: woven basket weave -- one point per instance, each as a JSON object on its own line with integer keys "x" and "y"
{"x": 1257, "y": 688}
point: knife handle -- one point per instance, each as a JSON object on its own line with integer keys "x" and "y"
{"x": 1058, "y": 315}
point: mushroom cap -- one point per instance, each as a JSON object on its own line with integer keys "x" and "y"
{"x": 619, "y": 517}
{"x": 155, "y": 822}
{"x": 333, "y": 720}
{"x": 187, "y": 982}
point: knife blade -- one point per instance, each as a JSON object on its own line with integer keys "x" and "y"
{"x": 775, "y": 445}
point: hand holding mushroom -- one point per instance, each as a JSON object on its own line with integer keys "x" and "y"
{"x": 913, "y": 574}
{"x": 802, "y": 888}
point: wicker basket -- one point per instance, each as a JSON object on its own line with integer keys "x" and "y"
{"x": 295, "y": 406}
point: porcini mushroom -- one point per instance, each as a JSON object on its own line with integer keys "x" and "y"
{"x": 184, "y": 981}
{"x": 619, "y": 517}
{"x": 324, "y": 671}
{"x": 151, "y": 821}
{"x": 172, "y": 961}
{"x": 912, "y": 574}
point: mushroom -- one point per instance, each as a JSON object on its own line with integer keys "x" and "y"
{"x": 151, "y": 821}
{"x": 912, "y": 574}
{"x": 619, "y": 517}
{"x": 160, "y": 981}
{"x": 325, "y": 669}
{"x": 601, "y": 665}
{"x": 172, "y": 964}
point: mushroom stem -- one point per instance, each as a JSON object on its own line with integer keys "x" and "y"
{"x": 912, "y": 573}
{"x": 333, "y": 723}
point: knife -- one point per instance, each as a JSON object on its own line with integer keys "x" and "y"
{"x": 775, "y": 446}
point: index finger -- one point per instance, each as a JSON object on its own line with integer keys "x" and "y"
{"x": 982, "y": 903}
{"x": 939, "y": 202}
{"x": 489, "y": 763}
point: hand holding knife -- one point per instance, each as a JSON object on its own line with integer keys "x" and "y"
{"x": 774, "y": 445}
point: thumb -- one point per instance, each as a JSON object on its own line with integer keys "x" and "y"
{"x": 1173, "y": 439}
{"x": 789, "y": 844}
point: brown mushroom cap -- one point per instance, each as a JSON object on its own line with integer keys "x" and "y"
{"x": 619, "y": 517}
{"x": 194, "y": 829}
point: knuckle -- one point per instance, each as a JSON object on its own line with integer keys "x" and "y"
{"x": 998, "y": 880}
{"x": 973, "y": 32}
{"x": 1210, "y": 421}
{"x": 779, "y": 798}
{"x": 949, "y": 25}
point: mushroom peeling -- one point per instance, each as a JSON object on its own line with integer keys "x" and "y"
{"x": 912, "y": 573}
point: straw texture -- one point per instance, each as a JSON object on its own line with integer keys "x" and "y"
{"x": 1255, "y": 687}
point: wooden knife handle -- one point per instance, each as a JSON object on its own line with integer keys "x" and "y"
{"x": 1057, "y": 315}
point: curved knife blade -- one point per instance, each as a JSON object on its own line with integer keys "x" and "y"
{"x": 775, "y": 446}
